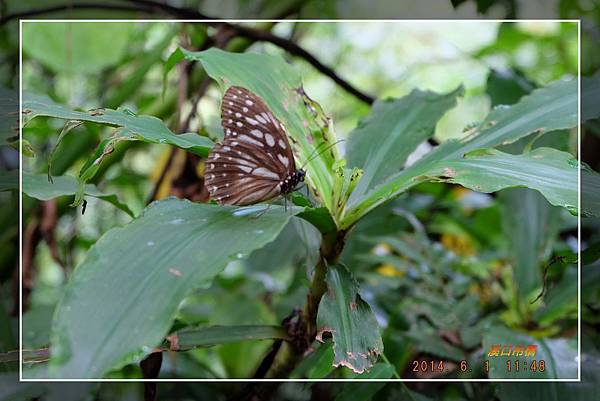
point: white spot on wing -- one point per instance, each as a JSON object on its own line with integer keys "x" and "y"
{"x": 283, "y": 159}
{"x": 238, "y": 115}
{"x": 239, "y": 124}
{"x": 281, "y": 143}
{"x": 263, "y": 172}
{"x": 265, "y": 117}
{"x": 245, "y": 162}
{"x": 249, "y": 102}
{"x": 270, "y": 140}
{"x": 245, "y": 169}
{"x": 257, "y": 133}
{"x": 252, "y": 121}
{"x": 260, "y": 118}
{"x": 246, "y": 138}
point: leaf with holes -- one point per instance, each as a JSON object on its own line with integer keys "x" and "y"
{"x": 349, "y": 319}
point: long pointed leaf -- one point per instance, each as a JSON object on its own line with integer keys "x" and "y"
{"x": 551, "y": 172}
{"x": 547, "y": 109}
{"x": 37, "y": 186}
{"x": 142, "y": 128}
{"x": 121, "y": 300}
{"x": 392, "y": 131}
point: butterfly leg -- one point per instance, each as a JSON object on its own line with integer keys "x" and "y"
{"x": 265, "y": 210}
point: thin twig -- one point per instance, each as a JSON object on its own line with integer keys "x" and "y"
{"x": 296, "y": 50}
{"x": 239, "y": 30}
{"x": 71, "y": 6}
{"x": 181, "y": 12}
{"x": 263, "y": 36}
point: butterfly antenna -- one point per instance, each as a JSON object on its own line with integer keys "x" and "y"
{"x": 310, "y": 157}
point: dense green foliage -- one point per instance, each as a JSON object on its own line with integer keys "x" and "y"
{"x": 434, "y": 260}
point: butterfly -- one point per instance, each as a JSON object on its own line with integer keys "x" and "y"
{"x": 254, "y": 163}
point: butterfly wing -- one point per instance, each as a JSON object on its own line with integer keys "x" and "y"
{"x": 255, "y": 156}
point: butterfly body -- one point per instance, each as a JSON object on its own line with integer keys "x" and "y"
{"x": 254, "y": 163}
{"x": 289, "y": 184}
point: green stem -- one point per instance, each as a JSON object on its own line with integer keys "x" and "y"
{"x": 396, "y": 375}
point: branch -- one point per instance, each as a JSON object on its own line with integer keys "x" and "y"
{"x": 180, "y": 12}
{"x": 293, "y": 48}
{"x": 149, "y": 6}
{"x": 263, "y": 36}
{"x": 70, "y": 6}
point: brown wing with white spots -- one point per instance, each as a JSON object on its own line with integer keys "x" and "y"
{"x": 255, "y": 156}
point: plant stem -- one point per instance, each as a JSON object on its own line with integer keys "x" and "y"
{"x": 332, "y": 245}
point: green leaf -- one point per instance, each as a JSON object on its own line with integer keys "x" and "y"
{"x": 37, "y": 186}
{"x": 317, "y": 365}
{"x": 121, "y": 300}
{"x": 559, "y": 356}
{"x": 529, "y": 224}
{"x": 507, "y": 87}
{"x": 585, "y": 390}
{"x": 142, "y": 64}
{"x": 133, "y": 127}
{"x": 9, "y": 180}
{"x": 561, "y": 301}
{"x": 546, "y": 109}
{"x": 280, "y": 86}
{"x": 76, "y": 47}
{"x": 9, "y": 115}
{"x": 590, "y": 97}
{"x": 215, "y": 335}
{"x": 590, "y": 254}
{"x": 129, "y": 127}
{"x": 392, "y": 131}
{"x": 37, "y": 321}
{"x": 343, "y": 313}
{"x": 363, "y": 391}
{"x": 551, "y": 172}
{"x": 590, "y": 192}
{"x": 432, "y": 344}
